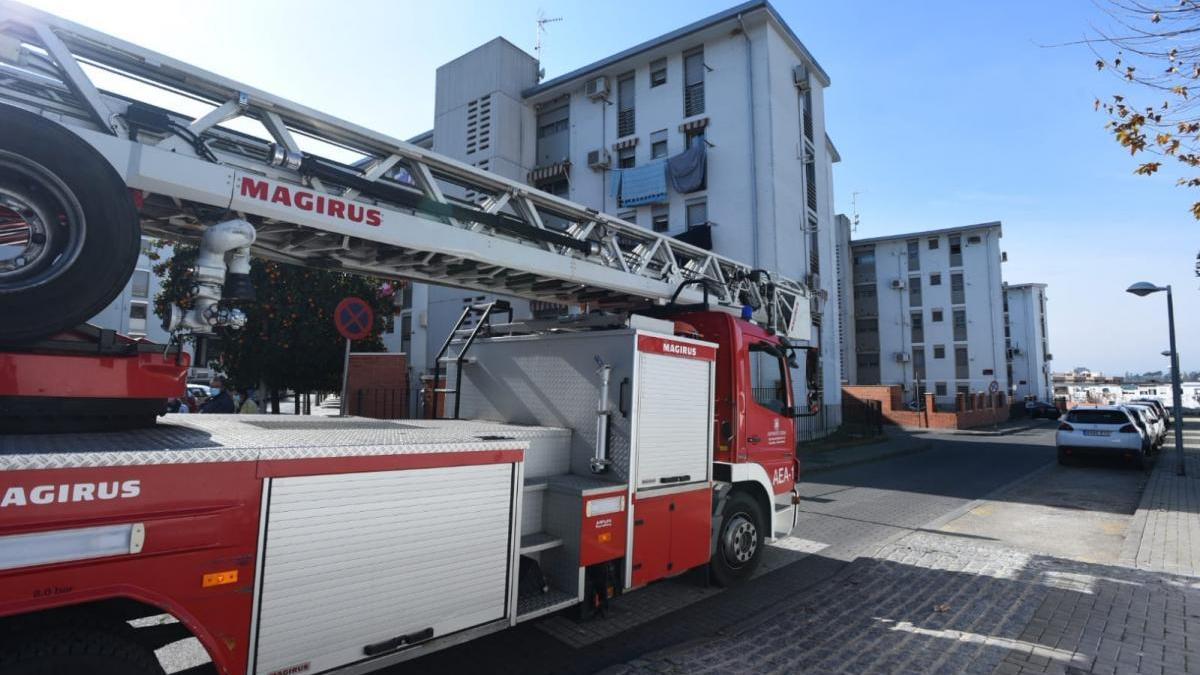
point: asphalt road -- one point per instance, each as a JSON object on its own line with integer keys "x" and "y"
{"x": 846, "y": 513}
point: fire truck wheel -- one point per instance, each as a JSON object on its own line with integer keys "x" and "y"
{"x": 96, "y": 651}
{"x": 740, "y": 542}
{"x": 69, "y": 232}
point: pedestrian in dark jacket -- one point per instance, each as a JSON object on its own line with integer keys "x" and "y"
{"x": 220, "y": 402}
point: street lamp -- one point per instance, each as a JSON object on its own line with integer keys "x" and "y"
{"x": 1142, "y": 289}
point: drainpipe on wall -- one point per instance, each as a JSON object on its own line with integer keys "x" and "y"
{"x": 753, "y": 151}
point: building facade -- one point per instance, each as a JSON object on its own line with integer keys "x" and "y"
{"x": 1027, "y": 342}
{"x": 845, "y": 297}
{"x": 738, "y": 88}
{"x": 132, "y": 312}
{"x": 928, "y": 311}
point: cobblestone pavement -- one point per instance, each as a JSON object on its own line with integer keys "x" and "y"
{"x": 944, "y": 602}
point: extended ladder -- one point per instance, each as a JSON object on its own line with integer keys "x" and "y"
{"x": 385, "y": 207}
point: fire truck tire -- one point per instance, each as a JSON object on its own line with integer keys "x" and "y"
{"x": 71, "y": 649}
{"x": 75, "y": 224}
{"x": 740, "y": 541}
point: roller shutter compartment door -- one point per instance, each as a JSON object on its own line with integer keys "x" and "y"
{"x": 360, "y": 559}
{"x": 673, "y": 420}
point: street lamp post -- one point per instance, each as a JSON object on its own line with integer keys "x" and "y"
{"x": 1142, "y": 289}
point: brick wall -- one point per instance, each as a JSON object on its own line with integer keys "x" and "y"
{"x": 377, "y": 385}
{"x": 975, "y": 410}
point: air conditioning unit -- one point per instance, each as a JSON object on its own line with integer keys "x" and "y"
{"x": 598, "y": 159}
{"x": 800, "y": 77}
{"x": 903, "y": 357}
{"x": 1016, "y": 350}
{"x": 596, "y": 88}
{"x": 898, "y": 284}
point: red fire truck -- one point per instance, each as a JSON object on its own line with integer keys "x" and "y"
{"x": 570, "y": 461}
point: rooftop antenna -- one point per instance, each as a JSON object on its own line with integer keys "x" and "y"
{"x": 854, "y": 210}
{"x": 541, "y": 30}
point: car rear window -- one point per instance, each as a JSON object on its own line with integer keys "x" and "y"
{"x": 1097, "y": 416}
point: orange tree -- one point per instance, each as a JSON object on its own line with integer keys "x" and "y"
{"x": 1154, "y": 45}
{"x": 289, "y": 340}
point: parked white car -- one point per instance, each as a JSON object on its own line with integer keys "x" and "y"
{"x": 1113, "y": 431}
{"x": 1155, "y": 422}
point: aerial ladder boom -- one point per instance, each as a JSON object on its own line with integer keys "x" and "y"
{"x": 326, "y": 193}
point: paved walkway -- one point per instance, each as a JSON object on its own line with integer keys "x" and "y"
{"x": 938, "y": 601}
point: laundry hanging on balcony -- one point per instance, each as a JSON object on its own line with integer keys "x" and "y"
{"x": 686, "y": 170}
{"x": 640, "y": 185}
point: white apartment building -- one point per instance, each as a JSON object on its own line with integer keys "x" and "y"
{"x": 739, "y": 85}
{"x": 845, "y": 297}
{"x": 929, "y": 311}
{"x": 132, "y": 312}
{"x": 1027, "y": 342}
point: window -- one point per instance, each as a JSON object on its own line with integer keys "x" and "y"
{"x": 406, "y": 332}
{"x": 658, "y": 72}
{"x": 866, "y": 325}
{"x": 141, "y": 283}
{"x": 960, "y": 325}
{"x": 658, "y": 144}
{"x": 914, "y": 255}
{"x": 958, "y": 293}
{"x": 964, "y": 389}
{"x": 974, "y": 239}
{"x": 660, "y": 218}
{"x": 936, "y": 316}
{"x": 808, "y": 114}
{"x": 768, "y": 380}
{"x": 933, "y": 245}
{"x": 553, "y": 126}
{"x": 918, "y": 327}
{"x": 148, "y": 246}
{"x": 693, "y": 82}
{"x": 138, "y": 311}
{"x": 955, "y": 251}
{"x": 868, "y": 367}
{"x": 864, "y": 265}
{"x": 962, "y": 368}
{"x": 814, "y": 247}
{"x": 626, "y": 158}
{"x": 939, "y": 351}
{"x": 697, "y": 214}
{"x": 919, "y": 363}
{"x": 939, "y": 388}
{"x": 625, "y": 116}
{"x": 935, "y": 280}
{"x": 694, "y": 136}
{"x": 914, "y": 291}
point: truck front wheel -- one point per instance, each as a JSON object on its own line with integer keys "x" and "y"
{"x": 739, "y": 541}
{"x": 69, "y": 232}
{"x": 76, "y": 649}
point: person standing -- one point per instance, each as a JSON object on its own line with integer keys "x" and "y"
{"x": 220, "y": 403}
{"x": 248, "y": 405}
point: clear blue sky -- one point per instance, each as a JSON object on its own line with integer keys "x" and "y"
{"x": 945, "y": 113}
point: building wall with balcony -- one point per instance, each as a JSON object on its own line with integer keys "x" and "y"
{"x": 1027, "y": 342}
{"x": 928, "y": 311}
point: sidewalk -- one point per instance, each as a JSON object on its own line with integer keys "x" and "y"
{"x": 1165, "y": 534}
{"x": 1012, "y": 426}
{"x": 896, "y": 441}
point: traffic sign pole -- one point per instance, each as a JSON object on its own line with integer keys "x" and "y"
{"x": 354, "y": 320}
{"x": 345, "y": 379}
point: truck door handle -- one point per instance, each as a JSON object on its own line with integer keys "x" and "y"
{"x": 398, "y": 642}
{"x": 753, "y": 439}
